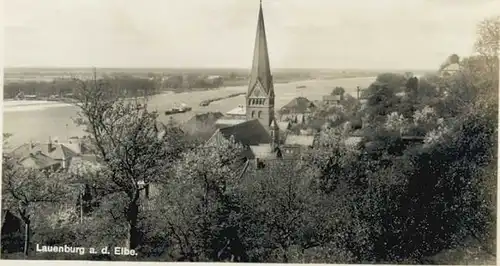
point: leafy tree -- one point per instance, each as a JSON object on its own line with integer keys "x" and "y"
{"x": 488, "y": 43}
{"x": 280, "y": 211}
{"x": 412, "y": 85}
{"x": 201, "y": 207}
{"x": 395, "y": 82}
{"x": 338, "y": 91}
{"x": 381, "y": 102}
{"x": 126, "y": 138}
{"x": 26, "y": 191}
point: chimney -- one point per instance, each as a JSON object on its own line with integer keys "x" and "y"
{"x": 81, "y": 147}
{"x": 50, "y": 146}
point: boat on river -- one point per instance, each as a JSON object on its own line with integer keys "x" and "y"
{"x": 183, "y": 108}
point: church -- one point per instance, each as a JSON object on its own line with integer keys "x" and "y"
{"x": 255, "y": 125}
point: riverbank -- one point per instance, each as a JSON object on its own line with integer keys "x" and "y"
{"x": 207, "y": 102}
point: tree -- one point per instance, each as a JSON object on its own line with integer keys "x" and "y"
{"x": 201, "y": 207}
{"x": 488, "y": 47}
{"x": 280, "y": 210}
{"x": 126, "y": 138}
{"x": 394, "y": 81}
{"x": 381, "y": 102}
{"x": 488, "y": 41}
{"x": 25, "y": 191}
{"x": 338, "y": 91}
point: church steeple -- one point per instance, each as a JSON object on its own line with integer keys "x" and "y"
{"x": 261, "y": 70}
{"x": 260, "y": 95}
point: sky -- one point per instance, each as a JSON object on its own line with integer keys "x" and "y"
{"x": 367, "y": 34}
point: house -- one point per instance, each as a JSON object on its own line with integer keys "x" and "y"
{"x": 237, "y": 113}
{"x": 450, "y": 67}
{"x": 37, "y": 154}
{"x": 333, "y": 99}
{"x": 449, "y": 70}
{"x": 297, "y": 110}
{"x": 297, "y": 144}
{"x": 39, "y": 161}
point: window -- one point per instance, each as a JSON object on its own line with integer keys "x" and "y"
{"x": 260, "y": 114}
{"x": 253, "y": 114}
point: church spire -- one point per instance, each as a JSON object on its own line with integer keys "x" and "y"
{"x": 261, "y": 71}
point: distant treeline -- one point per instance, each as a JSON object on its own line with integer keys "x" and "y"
{"x": 130, "y": 86}
{"x": 137, "y": 84}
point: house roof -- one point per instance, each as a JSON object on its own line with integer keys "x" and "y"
{"x": 37, "y": 161}
{"x": 57, "y": 152}
{"x": 452, "y": 67}
{"x": 299, "y": 140}
{"x": 247, "y": 133}
{"x": 240, "y": 110}
{"x": 299, "y": 105}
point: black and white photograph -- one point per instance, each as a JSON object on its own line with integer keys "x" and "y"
{"x": 250, "y": 131}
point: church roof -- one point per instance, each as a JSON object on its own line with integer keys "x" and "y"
{"x": 248, "y": 133}
{"x": 228, "y": 122}
{"x": 261, "y": 70}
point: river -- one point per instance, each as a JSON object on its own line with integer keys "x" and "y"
{"x": 39, "y": 120}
